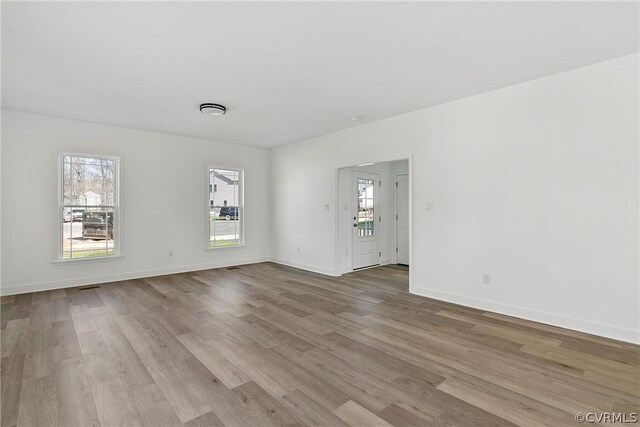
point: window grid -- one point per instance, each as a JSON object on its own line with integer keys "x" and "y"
{"x": 366, "y": 212}
{"x": 225, "y": 207}
{"x": 88, "y": 206}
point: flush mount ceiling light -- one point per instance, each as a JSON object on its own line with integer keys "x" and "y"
{"x": 213, "y": 109}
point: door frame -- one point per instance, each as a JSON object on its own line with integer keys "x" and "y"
{"x": 396, "y": 211}
{"x": 337, "y": 211}
{"x": 376, "y": 215}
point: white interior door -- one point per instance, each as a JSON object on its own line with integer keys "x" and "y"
{"x": 402, "y": 218}
{"x": 366, "y": 233}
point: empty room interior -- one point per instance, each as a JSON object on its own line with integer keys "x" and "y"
{"x": 320, "y": 213}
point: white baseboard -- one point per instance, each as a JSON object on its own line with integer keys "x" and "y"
{"x": 92, "y": 280}
{"x": 523, "y": 313}
{"x": 535, "y": 316}
{"x": 321, "y": 270}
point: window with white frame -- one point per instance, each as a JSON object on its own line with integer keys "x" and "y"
{"x": 225, "y": 207}
{"x": 88, "y": 206}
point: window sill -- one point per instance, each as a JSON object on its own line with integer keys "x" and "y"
{"x": 88, "y": 260}
{"x": 215, "y": 248}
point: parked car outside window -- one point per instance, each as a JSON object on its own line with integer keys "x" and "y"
{"x": 229, "y": 212}
{"x": 97, "y": 225}
{"x": 76, "y": 214}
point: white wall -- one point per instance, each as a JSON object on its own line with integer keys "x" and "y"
{"x": 163, "y": 199}
{"x": 536, "y": 184}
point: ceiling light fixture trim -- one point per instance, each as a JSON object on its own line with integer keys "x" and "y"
{"x": 213, "y": 109}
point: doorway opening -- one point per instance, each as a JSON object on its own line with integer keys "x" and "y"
{"x": 373, "y": 214}
{"x": 402, "y": 218}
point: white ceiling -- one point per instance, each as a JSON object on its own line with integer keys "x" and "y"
{"x": 288, "y": 71}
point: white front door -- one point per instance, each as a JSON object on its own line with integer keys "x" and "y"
{"x": 366, "y": 247}
{"x": 402, "y": 218}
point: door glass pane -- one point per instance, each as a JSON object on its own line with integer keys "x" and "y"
{"x": 366, "y": 212}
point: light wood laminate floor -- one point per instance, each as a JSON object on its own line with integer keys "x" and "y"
{"x": 264, "y": 344}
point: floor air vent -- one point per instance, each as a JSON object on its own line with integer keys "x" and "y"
{"x": 84, "y": 288}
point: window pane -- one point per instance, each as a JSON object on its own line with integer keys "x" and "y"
{"x": 365, "y": 207}
{"x": 88, "y": 181}
{"x": 88, "y": 196}
{"x": 225, "y": 211}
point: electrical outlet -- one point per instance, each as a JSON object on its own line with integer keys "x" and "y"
{"x": 299, "y": 249}
{"x": 326, "y": 207}
{"x": 428, "y": 206}
{"x": 170, "y": 254}
{"x": 486, "y": 278}
{"x": 346, "y": 252}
